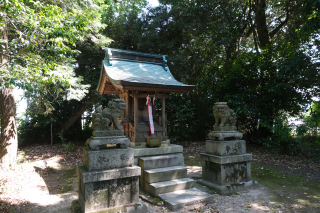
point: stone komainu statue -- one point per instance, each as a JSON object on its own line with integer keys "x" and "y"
{"x": 225, "y": 116}
{"x": 102, "y": 118}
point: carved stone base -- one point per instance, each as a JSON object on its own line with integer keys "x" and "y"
{"x": 221, "y": 135}
{"x": 225, "y": 148}
{"x": 95, "y": 142}
{"x": 229, "y": 188}
{"x": 109, "y": 158}
{"x": 225, "y": 128}
{"x": 224, "y": 170}
{"x": 111, "y": 132}
{"x": 102, "y": 190}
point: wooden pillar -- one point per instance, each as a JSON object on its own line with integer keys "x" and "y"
{"x": 153, "y": 110}
{"x": 135, "y": 116}
{"x": 164, "y": 116}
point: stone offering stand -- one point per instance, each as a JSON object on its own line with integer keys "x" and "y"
{"x": 226, "y": 165}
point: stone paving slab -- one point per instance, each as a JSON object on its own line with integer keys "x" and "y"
{"x": 169, "y": 186}
{"x": 164, "y": 174}
{"x": 155, "y": 162}
{"x": 185, "y": 198}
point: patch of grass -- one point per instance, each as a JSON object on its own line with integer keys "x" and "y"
{"x": 213, "y": 191}
{"x": 231, "y": 194}
{"x": 287, "y": 188}
{"x": 192, "y": 161}
{"x": 66, "y": 189}
{"x": 69, "y": 173}
{"x": 156, "y": 200}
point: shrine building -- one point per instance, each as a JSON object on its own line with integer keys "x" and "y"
{"x": 134, "y": 76}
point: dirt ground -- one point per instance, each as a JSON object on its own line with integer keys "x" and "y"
{"x": 28, "y": 188}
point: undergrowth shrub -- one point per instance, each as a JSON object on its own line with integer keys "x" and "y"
{"x": 281, "y": 139}
{"x": 69, "y": 146}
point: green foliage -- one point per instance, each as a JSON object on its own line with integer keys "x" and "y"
{"x": 302, "y": 130}
{"x": 41, "y": 44}
{"x": 215, "y": 45}
{"x": 188, "y": 117}
{"x": 282, "y": 138}
{"x": 69, "y": 146}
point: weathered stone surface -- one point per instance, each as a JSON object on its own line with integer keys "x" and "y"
{"x": 185, "y": 198}
{"x": 142, "y": 152}
{"x": 110, "y": 158}
{"x": 95, "y": 142}
{"x": 139, "y": 207}
{"x": 221, "y": 135}
{"x": 102, "y": 118}
{"x": 225, "y": 118}
{"x": 164, "y": 174}
{"x": 88, "y": 177}
{"x": 171, "y": 149}
{"x": 225, "y": 159}
{"x": 225, "y": 162}
{"x": 101, "y": 195}
{"x": 111, "y": 132}
{"x": 153, "y": 141}
{"x": 155, "y": 162}
{"x": 225, "y": 148}
{"x": 228, "y": 189}
{"x": 224, "y": 174}
{"x": 181, "y": 161}
{"x": 168, "y": 160}
{"x": 155, "y": 189}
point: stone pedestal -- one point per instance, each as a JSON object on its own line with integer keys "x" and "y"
{"x": 109, "y": 181}
{"x": 225, "y": 165}
{"x": 105, "y": 137}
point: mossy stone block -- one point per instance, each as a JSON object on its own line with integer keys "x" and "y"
{"x": 153, "y": 141}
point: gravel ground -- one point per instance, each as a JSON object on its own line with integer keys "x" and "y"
{"x": 31, "y": 194}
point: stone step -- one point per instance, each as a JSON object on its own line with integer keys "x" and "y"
{"x": 185, "y": 198}
{"x": 156, "y": 162}
{"x": 164, "y": 174}
{"x": 168, "y": 186}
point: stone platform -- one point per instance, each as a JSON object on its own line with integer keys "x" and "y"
{"x": 183, "y": 199}
{"x": 163, "y": 150}
{"x": 165, "y": 176}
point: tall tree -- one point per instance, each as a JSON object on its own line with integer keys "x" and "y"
{"x": 8, "y": 134}
{"x": 39, "y": 40}
{"x": 257, "y": 55}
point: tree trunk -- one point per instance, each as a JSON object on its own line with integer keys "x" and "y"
{"x": 9, "y": 138}
{"x": 78, "y": 129}
{"x": 78, "y": 114}
{"x": 261, "y": 22}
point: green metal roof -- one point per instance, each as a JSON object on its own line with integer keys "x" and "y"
{"x": 134, "y": 68}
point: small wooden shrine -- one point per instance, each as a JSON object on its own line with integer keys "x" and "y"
{"x": 134, "y": 76}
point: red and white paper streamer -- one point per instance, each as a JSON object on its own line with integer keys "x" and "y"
{"x": 150, "y": 115}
